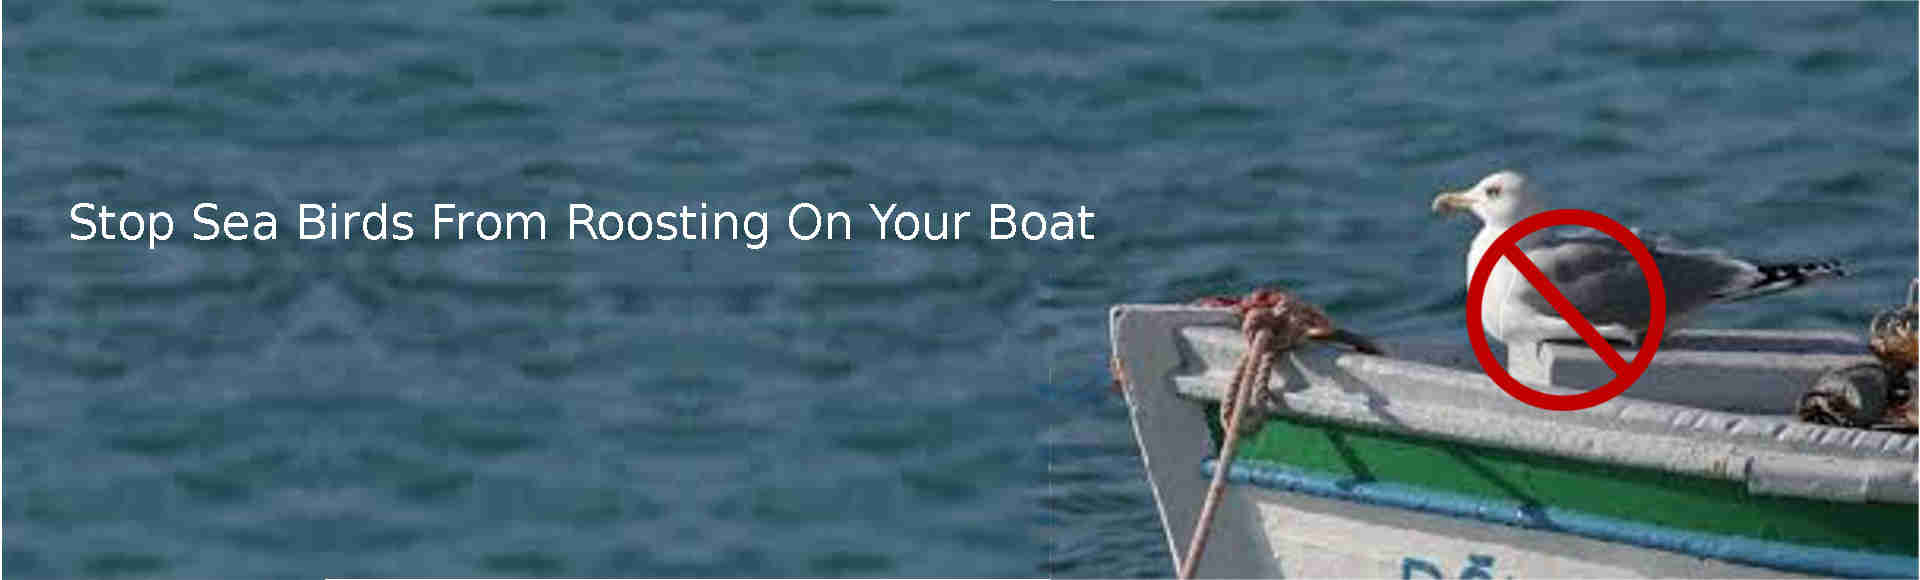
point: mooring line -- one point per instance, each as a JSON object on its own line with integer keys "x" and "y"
{"x": 1272, "y": 322}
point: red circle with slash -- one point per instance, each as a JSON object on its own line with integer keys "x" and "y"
{"x": 1507, "y": 246}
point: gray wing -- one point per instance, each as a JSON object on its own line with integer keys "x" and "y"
{"x": 1601, "y": 278}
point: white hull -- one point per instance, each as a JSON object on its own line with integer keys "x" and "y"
{"x": 1173, "y": 359}
{"x": 1313, "y": 537}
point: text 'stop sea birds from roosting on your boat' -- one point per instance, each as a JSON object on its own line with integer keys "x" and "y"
{"x": 1598, "y": 276}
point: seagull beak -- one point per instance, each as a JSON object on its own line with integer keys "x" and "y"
{"x": 1452, "y": 201}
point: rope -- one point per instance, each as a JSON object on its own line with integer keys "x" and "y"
{"x": 1232, "y": 409}
{"x": 1273, "y": 322}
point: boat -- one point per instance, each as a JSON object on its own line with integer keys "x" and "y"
{"x": 1415, "y": 464}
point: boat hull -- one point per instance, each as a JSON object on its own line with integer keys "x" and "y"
{"x": 1419, "y": 467}
{"x": 1316, "y": 537}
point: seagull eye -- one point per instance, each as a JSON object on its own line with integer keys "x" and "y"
{"x": 1493, "y": 191}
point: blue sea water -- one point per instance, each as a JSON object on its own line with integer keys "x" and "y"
{"x": 299, "y": 409}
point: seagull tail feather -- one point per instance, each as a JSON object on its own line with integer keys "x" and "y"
{"x": 1776, "y": 278}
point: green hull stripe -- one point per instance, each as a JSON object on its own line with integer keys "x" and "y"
{"x": 1776, "y": 555}
{"x": 1627, "y": 493}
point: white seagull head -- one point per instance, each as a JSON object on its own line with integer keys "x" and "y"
{"x": 1500, "y": 200}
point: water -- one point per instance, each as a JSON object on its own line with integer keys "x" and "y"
{"x": 847, "y": 408}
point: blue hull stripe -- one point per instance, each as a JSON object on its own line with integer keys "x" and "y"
{"x": 1766, "y": 553}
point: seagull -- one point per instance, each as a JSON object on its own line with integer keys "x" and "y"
{"x": 1597, "y": 274}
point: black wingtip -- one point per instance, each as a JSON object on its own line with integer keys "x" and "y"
{"x": 1782, "y": 277}
{"x": 1803, "y": 270}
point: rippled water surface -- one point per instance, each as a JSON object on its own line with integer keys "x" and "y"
{"x": 832, "y": 408}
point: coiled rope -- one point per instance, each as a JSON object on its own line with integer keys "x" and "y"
{"x": 1272, "y": 322}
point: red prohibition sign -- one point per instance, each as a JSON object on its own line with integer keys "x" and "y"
{"x": 1625, "y": 373}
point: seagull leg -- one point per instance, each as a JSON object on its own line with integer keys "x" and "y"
{"x": 1541, "y": 327}
{"x": 1619, "y": 333}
